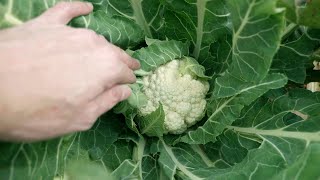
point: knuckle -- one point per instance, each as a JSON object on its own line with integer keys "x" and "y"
{"x": 79, "y": 32}
{"x": 90, "y": 34}
{"x": 63, "y": 6}
{"x": 100, "y": 40}
{"x": 118, "y": 52}
{"x": 87, "y": 123}
{"x": 84, "y": 128}
{"x": 87, "y": 35}
{"x": 122, "y": 68}
{"x": 116, "y": 96}
{"x": 101, "y": 37}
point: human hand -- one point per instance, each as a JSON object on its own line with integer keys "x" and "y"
{"x": 55, "y": 79}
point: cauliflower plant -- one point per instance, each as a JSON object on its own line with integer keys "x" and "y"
{"x": 182, "y": 96}
{"x": 170, "y": 92}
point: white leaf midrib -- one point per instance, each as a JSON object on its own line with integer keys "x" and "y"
{"x": 243, "y": 24}
{"x": 9, "y": 17}
{"x": 201, "y": 6}
{"x": 139, "y": 16}
{"x": 307, "y": 136}
{"x": 180, "y": 166}
{"x": 203, "y": 156}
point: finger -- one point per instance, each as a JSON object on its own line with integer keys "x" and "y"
{"x": 123, "y": 75}
{"x": 64, "y": 12}
{"x": 108, "y": 99}
{"x": 126, "y": 59}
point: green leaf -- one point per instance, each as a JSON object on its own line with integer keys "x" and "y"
{"x": 127, "y": 170}
{"x": 117, "y": 30}
{"x": 249, "y": 131}
{"x": 118, "y": 152}
{"x": 305, "y": 167}
{"x": 16, "y": 12}
{"x": 236, "y": 86}
{"x": 203, "y": 23}
{"x": 153, "y": 124}
{"x": 150, "y": 168}
{"x": 83, "y": 170}
{"x": 145, "y": 13}
{"x": 303, "y": 12}
{"x": 49, "y": 159}
{"x": 222, "y": 112}
{"x": 129, "y": 107}
{"x": 160, "y": 53}
{"x": 289, "y": 144}
{"x": 171, "y": 160}
{"x": 288, "y": 126}
{"x": 230, "y": 148}
{"x": 190, "y": 66}
{"x": 129, "y": 113}
{"x": 257, "y": 30}
{"x": 137, "y": 99}
{"x": 294, "y": 53}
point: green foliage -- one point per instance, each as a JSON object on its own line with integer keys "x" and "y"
{"x": 253, "y": 128}
{"x": 152, "y": 124}
{"x": 302, "y": 12}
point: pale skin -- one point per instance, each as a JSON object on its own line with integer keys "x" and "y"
{"x": 57, "y": 80}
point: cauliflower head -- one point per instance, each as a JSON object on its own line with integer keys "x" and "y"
{"x": 179, "y": 91}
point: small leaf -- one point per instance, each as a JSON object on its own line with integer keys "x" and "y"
{"x": 160, "y": 53}
{"x": 189, "y": 65}
{"x": 153, "y": 124}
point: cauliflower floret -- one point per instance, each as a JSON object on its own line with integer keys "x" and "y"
{"x": 174, "y": 122}
{"x": 182, "y": 97}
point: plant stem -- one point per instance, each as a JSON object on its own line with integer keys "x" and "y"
{"x": 140, "y": 18}
{"x": 138, "y": 152}
{"x": 289, "y": 29}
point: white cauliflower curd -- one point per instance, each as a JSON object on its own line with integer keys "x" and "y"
{"x": 181, "y": 94}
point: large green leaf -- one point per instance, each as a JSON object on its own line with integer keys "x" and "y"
{"x": 205, "y": 24}
{"x": 303, "y": 12}
{"x": 246, "y": 134}
{"x": 295, "y": 52}
{"x": 286, "y": 125}
{"x": 15, "y": 12}
{"x": 118, "y": 30}
{"x": 159, "y": 53}
{"x": 84, "y": 170}
{"x": 255, "y": 41}
{"x": 222, "y": 112}
{"x": 45, "y": 160}
{"x": 145, "y": 13}
{"x": 257, "y": 31}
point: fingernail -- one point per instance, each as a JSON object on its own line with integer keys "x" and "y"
{"x": 138, "y": 62}
{"x": 89, "y": 4}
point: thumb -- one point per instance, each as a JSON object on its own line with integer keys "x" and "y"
{"x": 64, "y": 12}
